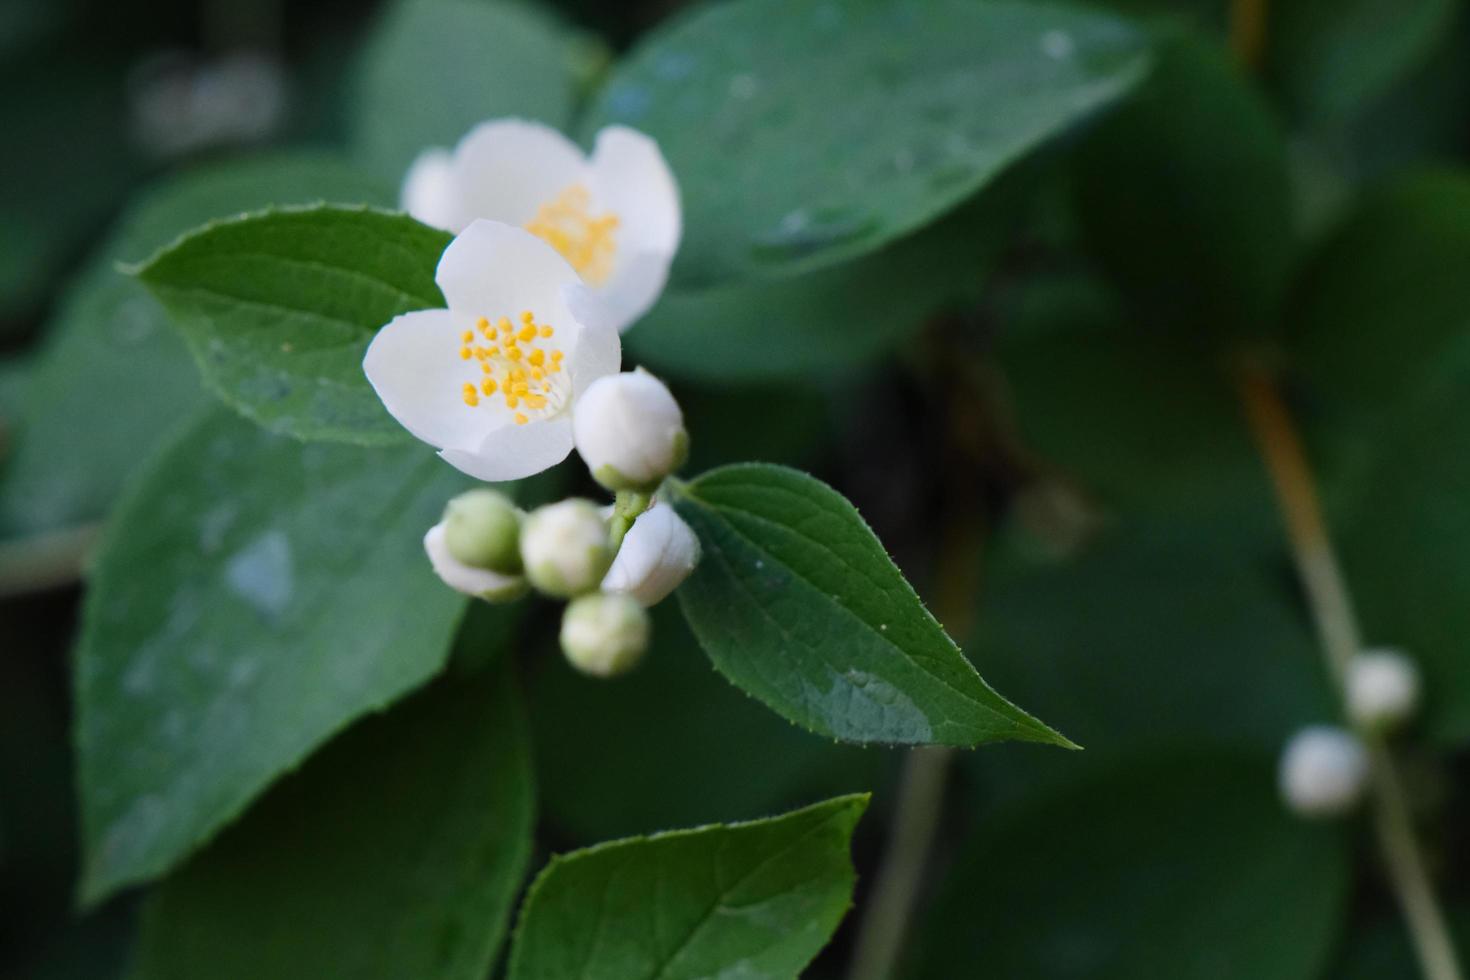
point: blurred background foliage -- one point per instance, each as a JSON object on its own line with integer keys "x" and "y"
{"x": 1030, "y": 395}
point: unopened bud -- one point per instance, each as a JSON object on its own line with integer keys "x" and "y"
{"x": 604, "y": 635}
{"x": 658, "y": 553}
{"x": 565, "y": 548}
{"x": 629, "y": 431}
{"x": 482, "y": 528}
{"x": 1382, "y": 689}
{"x": 478, "y": 582}
{"x": 1323, "y": 772}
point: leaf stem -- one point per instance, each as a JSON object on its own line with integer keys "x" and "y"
{"x": 1337, "y": 629}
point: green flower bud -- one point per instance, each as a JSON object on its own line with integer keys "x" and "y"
{"x": 565, "y": 548}
{"x": 604, "y": 635}
{"x": 482, "y": 529}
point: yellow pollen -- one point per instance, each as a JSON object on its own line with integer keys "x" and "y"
{"x": 587, "y": 241}
{"x": 514, "y": 366}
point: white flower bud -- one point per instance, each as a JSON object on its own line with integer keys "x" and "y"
{"x": 1323, "y": 772}
{"x": 478, "y": 582}
{"x": 1382, "y": 689}
{"x": 629, "y": 431}
{"x": 482, "y": 528}
{"x": 658, "y": 553}
{"x": 604, "y": 635}
{"x": 565, "y": 548}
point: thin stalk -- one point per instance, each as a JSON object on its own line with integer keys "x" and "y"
{"x": 46, "y": 561}
{"x": 895, "y": 893}
{"x": 1337, "y": 629}
{"x": 1248, "y": 31}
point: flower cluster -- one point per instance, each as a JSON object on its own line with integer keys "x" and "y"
{"x": 555, "y": 253}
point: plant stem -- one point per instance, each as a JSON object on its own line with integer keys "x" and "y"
{"x": 1337, "y": 629}
{"x": 1248, "y": 31}
{"x": 47, "y": 560}
{"x": 895, "y": 891}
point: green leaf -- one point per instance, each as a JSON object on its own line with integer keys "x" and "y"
{"x": 279, "y": 307}
{"x": 661, "y": 735}
{"x": 112, "y": 377}
{"x": 397, "y": 852}
{"x": 1403, "y": 526}
{"x": 1183, "y": 866}
{"x": 753, "y": 900}
{"x": 853, "y": 124}
{"x": 1184, "y": 199}
{"x": 1155, "y": 635}
{"x": 1383, "y": 310}
{"x": 1142, "y": 423}
{"x": 797, "y": 603}
{"x": 252, "y": 597}
{"x": 1331, "y": 58}
{"x": 66, "y": 109}
{"x": 830, "y": 320}
{"x": 435, "y": 68}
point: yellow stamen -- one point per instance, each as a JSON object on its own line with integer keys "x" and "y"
{"x": 585, "y": 240}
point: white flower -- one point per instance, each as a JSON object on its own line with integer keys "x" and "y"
{"x": 428, "y": 190}
{"x": 1382, "y": 689}
{"x": 614, "y": 216}
{"x": 629, "y": 431}
{"x": 658, "y": 553}
{"x": 1323, "y": 772}
{"x": 565, "y": 547}
{"x": 479, "y": 582}
{"x": 604, "y": 635}
{"x": 491, "y": 380}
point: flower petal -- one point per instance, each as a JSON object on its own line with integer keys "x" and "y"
{"x": 466, "y": 578}
{"x": 515, "y": 451}
{"x": 413, "y": 366}
{"x": 635, "y": 285}
{"x": 599, "y": 349}
{"x": 628, "y": 175}
{"x": 493, "y": 269}
{"x": 508, "y": 168}
{"x": 428, "y": 193}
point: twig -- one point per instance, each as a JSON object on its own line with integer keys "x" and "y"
{"x": 1332, "y": 611}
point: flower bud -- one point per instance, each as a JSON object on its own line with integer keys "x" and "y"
{"x": 1323, "y": 771}
{"x": 565, "y": 548}
{"x": 1382, "y": 689}
{"x": 482, "y": 528}
{"x": 478, "y": 582}
{"x": 604, "y": 635}
{"x": 629, "y": 431}
{"x": 658, "y": 553}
